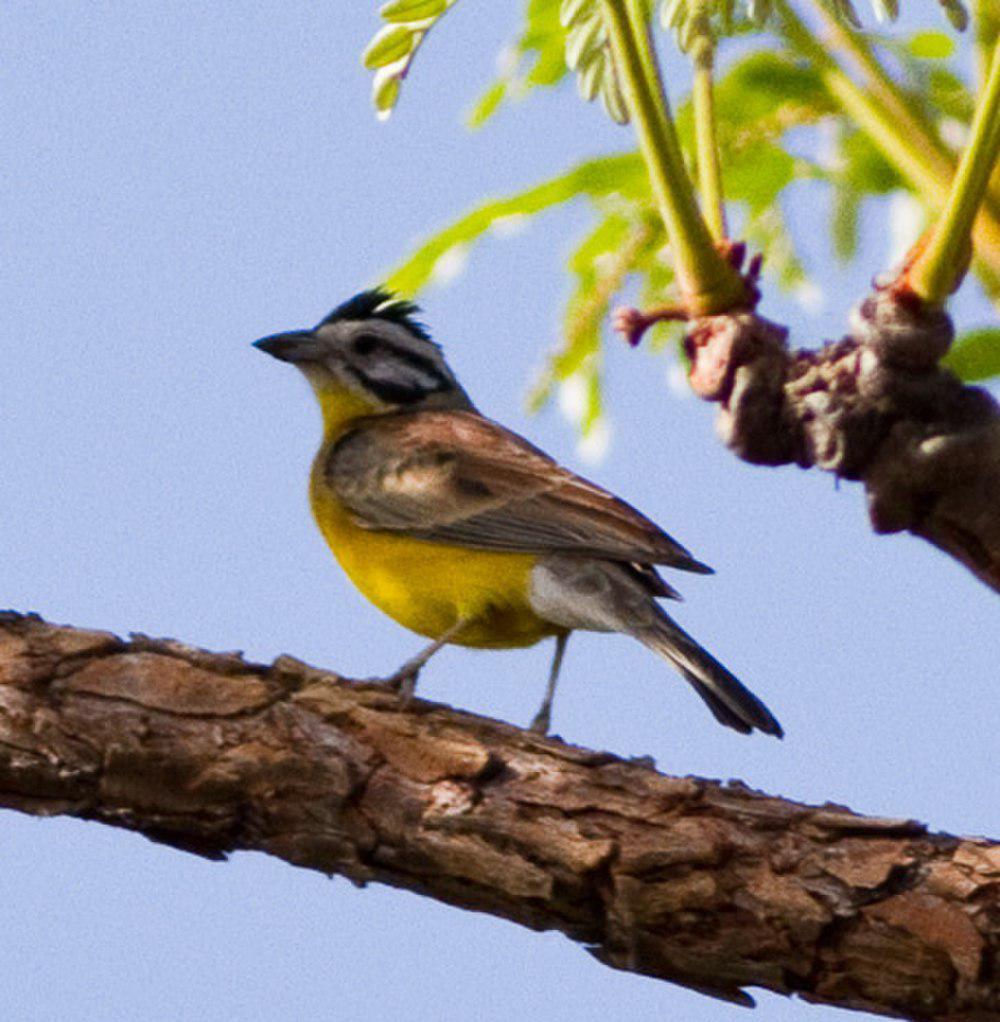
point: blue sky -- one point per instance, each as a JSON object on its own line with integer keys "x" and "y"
{"x": 182, "y": 178}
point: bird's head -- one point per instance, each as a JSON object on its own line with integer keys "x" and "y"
{"x": 370, "y": 355}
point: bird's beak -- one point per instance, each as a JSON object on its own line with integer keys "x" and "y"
{"x": 297, "y": 346}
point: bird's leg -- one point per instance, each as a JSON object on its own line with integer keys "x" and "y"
{"x": 404, "y": 681}
{"x": 542, "y": 720}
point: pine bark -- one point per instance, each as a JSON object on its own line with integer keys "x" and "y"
{"x": 716, "y": 887}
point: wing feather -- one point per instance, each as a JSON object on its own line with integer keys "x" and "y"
{"x": 457, "y": 477}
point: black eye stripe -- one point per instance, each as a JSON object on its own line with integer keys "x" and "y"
{"x": 365, "y": 344}
{"x": 397, "y": 392}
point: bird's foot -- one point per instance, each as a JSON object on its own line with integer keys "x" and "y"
{"x": 403, "y": 682}
{"x": 541, "y": 722}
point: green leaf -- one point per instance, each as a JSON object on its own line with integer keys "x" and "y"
{"x": 391, "y": 51}
{"x": 391, "y": 43}
{"x": 544, "y": 40}
{"x": 536, "y": 60}
{"x": 757, "y": 174}
{"x": 888, "y": 10}
{"x": 599, "y": 265}
{"x": 589, "y": 54}
{"x": 975, "y": 356}
{"x": 594, "y": 411}
{"x": 587, "y": 37}
{"x": 949, "y": 95}
{"x": 593, "y": 264}
{"x": 768, "y": 233}
{"x": 931, "y": 45}
{"x": 769, "y": 87}
{"x": 412, "y": 10}
{"x": 863, "y": 167}
{"x": 656, "y": 278}
{"x": 885, "y": 10}
{"x": 622, "y": 174}
{"x": 716, "y": 18}
{"x": 487, "y": 104}
{"x": 385, "y": 93}
{"x": 844, "y": 220}
{"x": 930, "y": 83}
{"x": 758, "y": 100}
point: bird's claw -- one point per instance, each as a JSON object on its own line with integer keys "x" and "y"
{"x": 403, "y": 682}
{"x": 541, "y": 722}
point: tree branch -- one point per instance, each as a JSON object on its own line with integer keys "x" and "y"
{"x": 713, "y": 886}
{"x": 875, "y": 406}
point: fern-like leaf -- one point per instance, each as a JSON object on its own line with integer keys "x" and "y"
{"x": 687, "y": 18}
{"x": 621, "y": 174}
{"x": 390, "y": 53}
{"x": 588, "y": 53}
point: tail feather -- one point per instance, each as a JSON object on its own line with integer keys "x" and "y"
{"x": 730, "y": 701}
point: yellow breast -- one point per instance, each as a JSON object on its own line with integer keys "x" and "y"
{"x": 430, "y": 587}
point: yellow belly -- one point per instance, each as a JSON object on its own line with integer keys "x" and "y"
{"x": 430, "y": 587}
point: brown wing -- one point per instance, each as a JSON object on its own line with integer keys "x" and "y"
{"x": 456, "y": 477}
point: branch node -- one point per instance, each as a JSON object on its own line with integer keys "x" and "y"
{"x": 901, "y": 330}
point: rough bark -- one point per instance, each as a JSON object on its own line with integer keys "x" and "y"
{"x": 713, "y": 886}
{"x": 875, "y": 406}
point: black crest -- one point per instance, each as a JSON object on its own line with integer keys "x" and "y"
{"x": 379, "y": 303}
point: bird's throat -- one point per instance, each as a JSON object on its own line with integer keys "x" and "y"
{"x": 340, "y": 407}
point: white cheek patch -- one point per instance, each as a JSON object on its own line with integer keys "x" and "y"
{"x": 402, "y": 374}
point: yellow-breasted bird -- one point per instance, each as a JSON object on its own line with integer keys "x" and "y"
{"x": 463, "y": 531}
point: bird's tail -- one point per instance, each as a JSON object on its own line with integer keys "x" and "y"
{"x": 730, "y": 701}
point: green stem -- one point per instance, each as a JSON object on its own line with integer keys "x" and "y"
{"x": 910, "y": 158}
{"x": 703, "y": 103}
{"x": 708, "y": 283}
{"x": 986, "y": 31}
{"x": 899, "y": 106}
{"x": 939, "y": 266}
{"x": 986, "y": 19}
{"x": 905, "y": 151}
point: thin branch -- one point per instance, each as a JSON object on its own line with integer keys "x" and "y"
{"x": 716, "y": 887}
{"x": 874, "y": 407}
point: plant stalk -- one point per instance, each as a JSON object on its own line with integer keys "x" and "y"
{"x": 708, "y": 283}
{"x": 703, "y": 103}
{"x": 909, "y": 157}
{"x": 905, "y": 151}
{"x": 887, "y": 91}
{"x": 940, "y": 266}
{"x": 986, "y": 22}
{"x": 910, "y": 120}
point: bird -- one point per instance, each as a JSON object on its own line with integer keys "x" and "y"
{"x": 466, "y": 533}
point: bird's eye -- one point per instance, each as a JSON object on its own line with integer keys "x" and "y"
{"x": 365, "y": 344}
